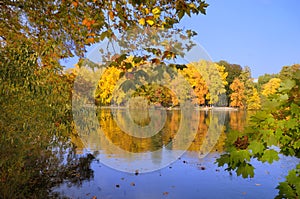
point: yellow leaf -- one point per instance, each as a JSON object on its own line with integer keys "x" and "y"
{"x": 147, "y": 10}
{"x": 142, "y": 21}
{"x": 156, "y": 11}
{"x": 192, "y": 5}
{"x": 150, "y": 22}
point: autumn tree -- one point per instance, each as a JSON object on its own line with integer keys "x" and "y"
{"x": 197, "y": 82}
{"x": 214, "y": 77}
{"x": 246, "y": 78}
{"x": 106, "y": 86}
{"x": 271, "y": 87}
{"x": 179, "y": 84}
{"x": 253, "y": 102}
{"x": 287, "y": 72}
{"x": 237, "y": 96}
{"x": 233, "y": 71}
{"x": 263, "y": 79}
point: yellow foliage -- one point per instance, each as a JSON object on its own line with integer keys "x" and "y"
{"x": 237, "y": 97}
{"x": 196, "y": 82}
{"x": 271, "y": 87}
{"x": 107, "y": 85}
{"x": 223, "y": 74}
{"x": 155, "y": 11}
{"x": 253, "y": 102}
{"x": 150, "y": 22}
{"x": 142, "y": 21}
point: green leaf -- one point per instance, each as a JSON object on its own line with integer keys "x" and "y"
{"x": 283, "y": 98}
{"x": 296, "y": 145}
{"x": 260, "y": 116}
{"x": 293, "y": 178}
{"x": 127, "y": 85}
{"x": 224, "y": 159}
{"x": 256, "y": 147}
{"x": 121, "y": 74}
{"x": 128, "y": 65}
{"x": 295, "y": 109}
{"x": 137, "y": 60}
{"x": 287, "y": 85}
{"x": 292, "y": 123}
{"x": 269, "y": 156}
{"x": 246, "y": 170}
{"x": 285, "y": 191}
{"x": 272, "y": 140}
{"x": 240, "y": 156}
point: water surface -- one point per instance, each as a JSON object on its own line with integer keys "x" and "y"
{"x": 124, "y": 172}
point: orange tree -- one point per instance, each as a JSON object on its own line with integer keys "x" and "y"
{"x": 237, "y": 96}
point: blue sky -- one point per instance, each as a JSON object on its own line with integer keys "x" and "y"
{"x": 261, "y": 34}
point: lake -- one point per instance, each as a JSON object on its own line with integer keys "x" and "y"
{"x": 166, "y": 154}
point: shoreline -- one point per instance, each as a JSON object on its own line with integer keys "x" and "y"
{"x": 172, "y": 108}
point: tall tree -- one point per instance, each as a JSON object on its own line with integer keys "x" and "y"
{"x": 246, "y": 78}
{"x": 233, "y": 71}
{"x": 197, "y": 82}
{"x": 215, "y": 78}
{"x": 237, "y": 96}
{"x": 253, "y": 103}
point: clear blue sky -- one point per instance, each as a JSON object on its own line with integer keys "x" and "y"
{"x": 261, "y": 34}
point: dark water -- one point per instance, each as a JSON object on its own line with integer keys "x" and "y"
{"x": 167, "y": 154}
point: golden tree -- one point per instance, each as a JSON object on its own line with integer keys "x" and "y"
{"x": 237, "y": 95}
{"x": 253, "y": 102}
{"x": 271, "y": 87}
{"x": 197, "y": 83}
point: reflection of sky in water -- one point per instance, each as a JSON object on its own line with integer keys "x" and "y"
{"x": 185, "y": 178}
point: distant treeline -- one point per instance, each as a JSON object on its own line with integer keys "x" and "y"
{"x": 202, "y": 83}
